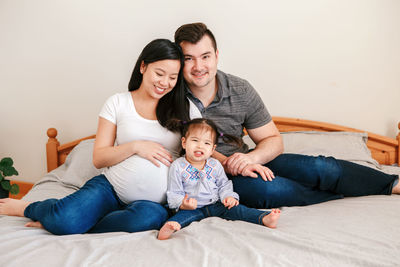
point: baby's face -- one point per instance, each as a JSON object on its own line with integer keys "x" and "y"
{"x": 199, "y": 145}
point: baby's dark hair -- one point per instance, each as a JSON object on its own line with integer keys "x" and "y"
{"x": 184, "y": 127}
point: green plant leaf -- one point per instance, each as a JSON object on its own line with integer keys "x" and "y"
{"x": 9, "y": 171}
{"x": 6, "y": 162}
{"x": 1, "y": 177}
{"x": 6, "y": 185}
{"x": 14, "y": 189}
{"x": 6, "y": 167}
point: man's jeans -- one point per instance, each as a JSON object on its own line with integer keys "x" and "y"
{"x": 96, "y": 208}
{"x": 303, "y": 180}
{"x": 240, "y": 212}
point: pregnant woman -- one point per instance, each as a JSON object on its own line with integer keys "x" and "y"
{"x": 133, "y": 143}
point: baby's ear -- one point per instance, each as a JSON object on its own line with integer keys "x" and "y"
{"x": 214, "y": 147}
{"x": 183, "y": 140}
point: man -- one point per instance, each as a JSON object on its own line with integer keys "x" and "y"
{"x": 201, "y": 59}
{"x": 233, "y": 104}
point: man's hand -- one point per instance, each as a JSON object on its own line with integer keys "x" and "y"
{"x": 230, "y": 202}
{"x": 251, "y": 170}
{"x": 188, "y": 203}
{"x": 236, "y": 163}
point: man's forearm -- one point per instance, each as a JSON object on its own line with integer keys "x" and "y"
{"x": 219, "y": 156}
{"x": 266, "y": 150}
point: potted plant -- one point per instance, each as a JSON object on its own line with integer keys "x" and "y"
{"x": 7, "y": 169}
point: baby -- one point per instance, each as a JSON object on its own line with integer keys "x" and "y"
{"x": 198, "y": 186}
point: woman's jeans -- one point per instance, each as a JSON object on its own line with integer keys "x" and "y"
{"x": 239, "y": 212}
{"x": 96, "y": 208}
{"x": 303, "y": 180}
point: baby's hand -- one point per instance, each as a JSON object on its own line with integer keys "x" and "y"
{"x": 230, "y": 202}
{"x": 188, "y": 203}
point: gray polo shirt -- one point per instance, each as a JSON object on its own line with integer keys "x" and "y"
{"x": 237, "y": 105}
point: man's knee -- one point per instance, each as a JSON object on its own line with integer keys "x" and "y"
{"x": 329, "y": 171}
{"x": 255, "y": 192}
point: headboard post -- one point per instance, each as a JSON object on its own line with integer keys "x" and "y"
{"x": 51, "y": 149}
{"x": 398, "y": 145}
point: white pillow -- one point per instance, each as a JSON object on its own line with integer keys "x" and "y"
{"x": 349, "y": 146}
{"x": 69, "y": 177}
{"x": 79, "y": 165}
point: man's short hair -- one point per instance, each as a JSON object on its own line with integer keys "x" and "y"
{"x": 192, "y": 33}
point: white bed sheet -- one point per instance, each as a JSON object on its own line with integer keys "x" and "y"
{"x": 363, "y": 231}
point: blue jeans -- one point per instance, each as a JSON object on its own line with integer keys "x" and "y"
{"x": 239, "y": 212}
{"x": 304, "y": 180}
{"x": 96, "y": 208}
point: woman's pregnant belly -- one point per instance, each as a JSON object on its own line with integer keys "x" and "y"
{"x": 137, "y": 178}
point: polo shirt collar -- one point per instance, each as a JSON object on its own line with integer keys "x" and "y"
{"x": 223, "y": 88}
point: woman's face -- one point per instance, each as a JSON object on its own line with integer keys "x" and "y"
{"x": 160, "y": 77}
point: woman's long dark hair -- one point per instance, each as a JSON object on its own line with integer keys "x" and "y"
{"x": 174, "y": 104}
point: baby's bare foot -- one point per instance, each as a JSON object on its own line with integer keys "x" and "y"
{"x": 168, "y": 229}
{"x": 13, "y": 207}
{"x": 34, "y": 224}
{"x": 271, "y": 220}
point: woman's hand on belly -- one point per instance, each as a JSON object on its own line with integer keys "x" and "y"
{"x": 152, "y": 151}
{"x": 137, "y": 178}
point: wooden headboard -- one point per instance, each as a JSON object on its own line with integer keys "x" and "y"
{"x": 383, "y": 149}
{"x": 56, "y": 153}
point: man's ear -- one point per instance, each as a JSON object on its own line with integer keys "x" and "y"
{"x": 216, "y": 57}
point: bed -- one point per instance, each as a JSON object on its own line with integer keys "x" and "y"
{"x": 362, "y": 231}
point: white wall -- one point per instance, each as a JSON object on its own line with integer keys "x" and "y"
{"x": 326, "y": 60}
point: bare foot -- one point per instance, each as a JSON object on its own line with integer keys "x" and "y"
{"x": 13, "y": 207}
{"x": 168, "y": 229}
{"x": 34, "y": 224}
{"x": 271, "y": 220}
{"x": 396, "y": 189}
